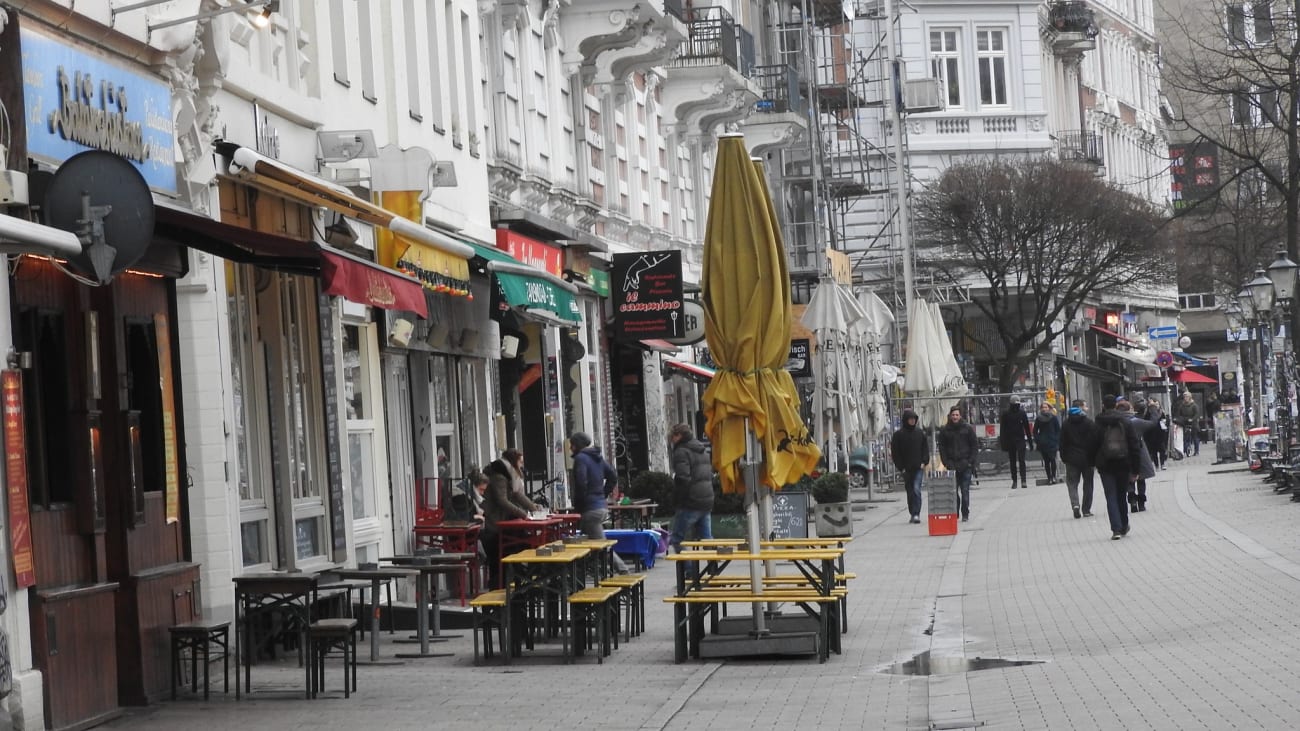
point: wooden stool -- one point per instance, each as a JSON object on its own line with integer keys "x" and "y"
{"x": 631, "y": 595}
{"x": 199, "y": 637}
{"x": 488, "y": 611}
{"x": 601, "y": 604}
{"x": 332, "y": 634}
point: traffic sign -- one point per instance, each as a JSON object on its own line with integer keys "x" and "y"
{"x": 1164, "y": 332}
{"x": 1164, "y": 359}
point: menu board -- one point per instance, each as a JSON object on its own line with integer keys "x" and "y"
{"x": 789, "y": 515}
{"x": 338, "y": 525}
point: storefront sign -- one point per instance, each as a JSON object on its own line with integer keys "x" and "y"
{"x": 77, "y": 101}
{"x": 799, "y": 362}
{"x": 647, "y": 295}
{"x": 368, "y": 285}
{"x": 171, "y": 458}
{"x": 692, "y": 324}
{"x": 600, "y": 282}
{"x": 20, "y": 524}
{"x": 1193, "y": 173}
{"x": 532, "y": 252}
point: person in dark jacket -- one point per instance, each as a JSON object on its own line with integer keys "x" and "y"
{"x": 593, "y": 479}
{"x": 910, "y": 450}
{"x": 1076, "y": 441}
{"x": 1047, "y": 437}
{"x": 958, "y": 448}
{"x": 1157, "y": 437}
{"x": 1116, "y": 471}
{"x": 692, "y": 487}
{"x": 1014, "y": 438}
{"x": 1137, "y": 491}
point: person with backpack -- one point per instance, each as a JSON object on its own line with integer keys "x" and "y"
{"x": 1014, "y": 438}
{"x": 692, "y": 487}
{"x": 593, "y": 480}
{"x": 1076, "y": 441}
{"x": 1116, "y": 452}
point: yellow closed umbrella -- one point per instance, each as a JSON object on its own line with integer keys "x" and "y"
{"x": 747, "y": 324}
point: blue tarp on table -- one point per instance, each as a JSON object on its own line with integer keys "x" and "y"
{"x": 641, "y": 544}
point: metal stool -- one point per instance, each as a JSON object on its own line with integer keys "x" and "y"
{"x": 199, "y": 637}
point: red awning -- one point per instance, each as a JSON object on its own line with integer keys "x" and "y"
{"x": 693, "y": 369}
{"x": 1117, "y": 336}
{"x": 1190, "y": 377}
{"x": 367, "y": 283}
{"x": 659, "y": 346}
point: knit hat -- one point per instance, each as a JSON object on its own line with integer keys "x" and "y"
{"x": 580, "y": 440}
{"x": 1074, "y": 410}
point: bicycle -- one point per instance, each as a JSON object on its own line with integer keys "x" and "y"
{"x": 540, "y": 493}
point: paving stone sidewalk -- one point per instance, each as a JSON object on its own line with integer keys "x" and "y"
{"x": 1187, "y": 623}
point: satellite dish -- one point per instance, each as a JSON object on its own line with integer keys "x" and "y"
{"x": 105, "y": 201}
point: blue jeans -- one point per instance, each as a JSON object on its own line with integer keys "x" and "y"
{"x": 1116, "y": 486}
{"x": 912, "y": 483}
{"x": 963, "y": 491}
{"x": 686, "y": 520}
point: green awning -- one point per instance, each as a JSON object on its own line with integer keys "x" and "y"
{"x": 600, "y": 282}
{"x": 530, "y": 290}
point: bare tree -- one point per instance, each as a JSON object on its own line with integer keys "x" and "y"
{"x": 1035, "y": 239}
{"x": 1231, "y": 72}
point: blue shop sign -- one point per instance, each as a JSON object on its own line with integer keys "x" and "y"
{"x": 76, "y": 102}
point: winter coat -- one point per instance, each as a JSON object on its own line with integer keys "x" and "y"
{"x": 1187, "y": 413}
{"x": 1157, "y": 437}
{"x": 591, "y": 473}
{"x": 1013, "y": 429}
{"x": 958, "y": 446}
{"x": 1144, "y": 428}
{"x": 1076, "y": 440}
{"x": 1047, "y": 432}
{"x": 1129, "y": 465}
{"x": 692, "y": 474}
{"x": 910, "y": 446}
{"x": 498, "y": 499}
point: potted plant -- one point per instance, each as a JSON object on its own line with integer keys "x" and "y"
{"x": 833, "y": 514}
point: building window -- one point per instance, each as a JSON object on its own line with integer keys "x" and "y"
{"x": 434, "y": 79}
{"x": 991, "y": 54}
{"x": 339, "y": 42}
{"x": 945, "y": 63}
{"x": 1249, "y": 23}
{"x": 367, "y": 51}
{"x": 1200, "y": 301}
{"x": 413, "y": 80}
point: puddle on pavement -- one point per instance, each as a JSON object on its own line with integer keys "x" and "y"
{"x": 924, "y": 664}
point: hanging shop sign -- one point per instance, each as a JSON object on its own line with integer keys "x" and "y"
{"x": 20, "y": 524}
{"x": 532, "y": 252}
{"x": 1193, "y": 173}
{"x": 76, "y": 101}
{"x": 799, "y": 361}
{"x": 692, "y": 324}
{"x": 647, "y": 295}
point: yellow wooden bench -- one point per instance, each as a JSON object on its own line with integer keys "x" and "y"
{"x": 487, "y": 613}
{"x": 599, "y": 603}
{"x": 692, "y": 605}
{"x": 632, "y": 595}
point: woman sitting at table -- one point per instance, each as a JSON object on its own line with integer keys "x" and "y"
{"x": 499, "y": 504}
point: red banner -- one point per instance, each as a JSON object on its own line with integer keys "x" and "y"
{"x": 532, "y": 252}
{"x": 20, "y": 524}
{"x": 366, "y": 284}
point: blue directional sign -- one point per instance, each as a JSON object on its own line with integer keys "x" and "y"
{"x": 1164, "y": 332}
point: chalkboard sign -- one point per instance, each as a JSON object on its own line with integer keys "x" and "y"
{"x": 790, "y": 515}
{"x": 338, "y": 525}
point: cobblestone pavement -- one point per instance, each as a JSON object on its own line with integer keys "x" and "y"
{"x": 1189, "y": 622}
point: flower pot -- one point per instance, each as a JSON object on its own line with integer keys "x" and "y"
{"x": 833, "y": 520}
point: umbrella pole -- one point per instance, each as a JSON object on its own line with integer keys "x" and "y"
{"x": 753, "y": 486}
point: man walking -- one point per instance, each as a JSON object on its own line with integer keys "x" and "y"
{"x": 1014, "y": 438}
{"x": 1076, "y": 444}
{"x": 593, "y": 480}
{"x": 692, "y": 487}
{"x": 958, "y": 448}
{"x": 910, "y": 449}
{"x": 1188, "y": 415}
{"x": 1116, "y": 453}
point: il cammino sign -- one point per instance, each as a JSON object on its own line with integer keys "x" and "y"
{"x": 647, "y": 293}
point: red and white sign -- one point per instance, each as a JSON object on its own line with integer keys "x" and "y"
{"x": 532, "y": 252}
{"x": 20, "y": 524}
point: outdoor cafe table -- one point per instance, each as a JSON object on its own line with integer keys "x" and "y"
{"x": 553, "y": 576}
{"x": 519, "y": 534}
{"x": 428, "y": 566}
{"x": 454, "y": 536}
{"x": 376, "y": 577}
{"x": 817, "y": 566}
{"x": 632, "y": 515}
{"x": 601, "y": 560}
{"x": 291, "y": 594}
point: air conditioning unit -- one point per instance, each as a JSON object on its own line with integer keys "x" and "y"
{"x": 923, "y": 95}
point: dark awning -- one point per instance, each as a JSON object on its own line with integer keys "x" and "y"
{"x": 358, "y": 280}
{"x": 1089, "y": 370}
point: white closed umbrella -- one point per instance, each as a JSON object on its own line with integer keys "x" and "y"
{"x": 932, "y": 375}
{"x": 832, "y": 321}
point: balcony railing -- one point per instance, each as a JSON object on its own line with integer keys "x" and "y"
{"x": 1076, "y": 146}
{"x": 713, "y": 37}
{"x": 1073, "y": 16}
{"x": 780, "y": 84}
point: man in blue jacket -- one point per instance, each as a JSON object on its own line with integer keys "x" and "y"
{"x": 593, "y": 480}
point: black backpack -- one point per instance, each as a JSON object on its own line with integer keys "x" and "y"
{"x": 1114, "y": 443}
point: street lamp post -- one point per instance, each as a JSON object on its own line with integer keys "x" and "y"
{"x": 1261, "y": 296}
{"x": 1282, "y": 275}
{"x": 1239, "y": 324}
